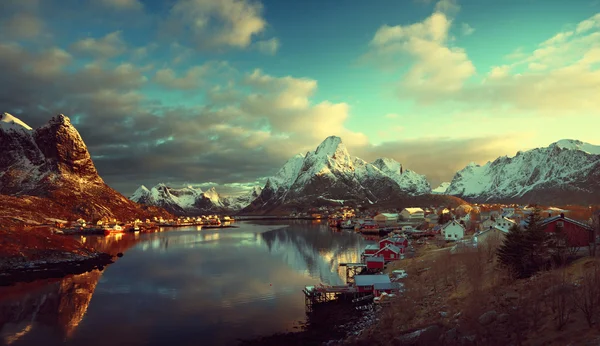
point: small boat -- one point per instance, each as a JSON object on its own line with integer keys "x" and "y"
{"x": 108, "y": 230}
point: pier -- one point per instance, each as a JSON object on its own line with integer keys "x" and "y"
{"x": 352, "y": 269}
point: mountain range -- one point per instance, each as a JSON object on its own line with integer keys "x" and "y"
{"x": 330, "y": 176}
{"x": 48, "y": 172}
{"x": 191, "y": 200}
{"x": 565, "y": 172}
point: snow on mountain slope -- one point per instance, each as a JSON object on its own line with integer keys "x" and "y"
{"x": 573, "y": 144}
{"x": 242, "y": 201}
{"x": 189, "y": 200}
{"x": 8, "y": 121}
{"x": 442, "y": 188}
{"x": 329, "y": 174}
{"x": 567, "y": 171}
{"x": 406, "y": 179}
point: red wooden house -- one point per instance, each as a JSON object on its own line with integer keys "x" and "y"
{"x": 374, "y": 263}
{"x": 578, "y": 234}
{"x": 372, "y": 249}
{"x": 389, "y": 253}
{"x": 375, "y": 283}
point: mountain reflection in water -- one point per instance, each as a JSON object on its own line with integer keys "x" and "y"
{"x": 182, "y": 287}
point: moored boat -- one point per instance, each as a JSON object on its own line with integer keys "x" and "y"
{"x": 113, "y": 229}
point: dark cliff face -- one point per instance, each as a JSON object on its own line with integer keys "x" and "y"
{"x": 53, "y": 165}
{"x": 64, "y": 151}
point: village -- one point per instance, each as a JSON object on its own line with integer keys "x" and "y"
{"x": 398, "y": 235}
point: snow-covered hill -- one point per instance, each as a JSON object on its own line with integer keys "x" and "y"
{"x": 329, "y": 175}
{"x": 567, "y": 171}
{"x": 441, "y": 189}
{"x": 191, "y": 200}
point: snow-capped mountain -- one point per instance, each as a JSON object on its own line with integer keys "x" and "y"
{"x": 329, "y": 175}
{"x": 441, "y": 189}
{"x": 567, "y": 171}
{"x": 191, "y": 200}
{"x": 51, "y": 166}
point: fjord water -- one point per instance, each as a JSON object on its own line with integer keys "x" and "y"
{"x": 183, "y": 287}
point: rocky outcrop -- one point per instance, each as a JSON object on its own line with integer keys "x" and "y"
{"x": 51, "y": 167}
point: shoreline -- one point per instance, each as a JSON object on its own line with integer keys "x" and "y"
{"x": 28, "y": 271}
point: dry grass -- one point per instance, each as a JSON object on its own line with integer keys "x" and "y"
{"x": 454, "y": 290}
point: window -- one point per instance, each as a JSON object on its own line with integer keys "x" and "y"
{"x": 392, "y": 256}
{"x": 560, "y": 224}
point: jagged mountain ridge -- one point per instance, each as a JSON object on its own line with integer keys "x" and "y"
{"x": 191, "y": 200}
{"x": 329, "y": 175}
{"x": 565, "y": 172}
{"x": 48, "y": 172}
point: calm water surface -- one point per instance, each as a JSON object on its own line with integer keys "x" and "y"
{"x": 183, "y": 287}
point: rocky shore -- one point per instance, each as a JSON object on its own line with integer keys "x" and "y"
{"x": 32, "y": 254}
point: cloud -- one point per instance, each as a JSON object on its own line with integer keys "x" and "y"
{"x": 216, "y": 24}
{"x": 107, "y": 47}
{"x": 391, "y": 116}
{"x": 561, "y": 76}
{"x": 190, "y": 79}
{"x": 269, "y": 47}
{"x": 466, "y": 29}
{"x": 435, "y": 67}
{"x": 123, "y": 4}
{"x": 22, "y": 26}
{"x": 247, "y": 128}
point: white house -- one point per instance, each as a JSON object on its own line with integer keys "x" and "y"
{"x": 412, "y": 214}
{"x": 504, "y": 222}
{"x": 453, "y": 230}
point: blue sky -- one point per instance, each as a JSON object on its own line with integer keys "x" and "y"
{"x": 223, "y": 92}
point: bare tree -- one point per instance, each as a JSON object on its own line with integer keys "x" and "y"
{"x": 561, "y": 293}
{"x": 587, "y": 296}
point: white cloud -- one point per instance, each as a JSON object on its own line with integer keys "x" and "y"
{"x": 436, "y": 67}
{"x": 561, "y": 76}
{"x": 466, "y": 29}
{"x": 123, "y": 4}
{"x": 269, "y": 47}
{"x": 223, "y": 23}
{"x": 193, "y": 78}
{"x": 391, "y": 116}
{"x": 109, "y": 46}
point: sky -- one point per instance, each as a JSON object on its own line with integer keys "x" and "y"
{"x": 224, "y": 92}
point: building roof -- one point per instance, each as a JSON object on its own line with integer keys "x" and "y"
{"x": 372, "y": 247}
{"x": 389, "y": 215}
{"x": 370, "y": 280}
{"x": 562, "y": 218}
{"x": 414, "y": 210}
{"x": 383, "y": 286}
{"x": 391, "y": 247}
{"x": 452, "y": 222}
{"x": 374, "y": 259}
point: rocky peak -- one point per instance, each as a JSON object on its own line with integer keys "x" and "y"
{"x": 64, "y": 149}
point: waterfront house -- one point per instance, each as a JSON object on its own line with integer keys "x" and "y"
{"x": 371, "y": 249}
{"x": 578, "y": 234}
{"x": 400, "y": 242}
{"x": 453, "y": 230}
{"x": 389, "y": 253}
{"x": 386, "y": 219}
{"x": 377, "y": 284}
{"x": 374, "y": 263}
{"x": 410, "y": 214}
